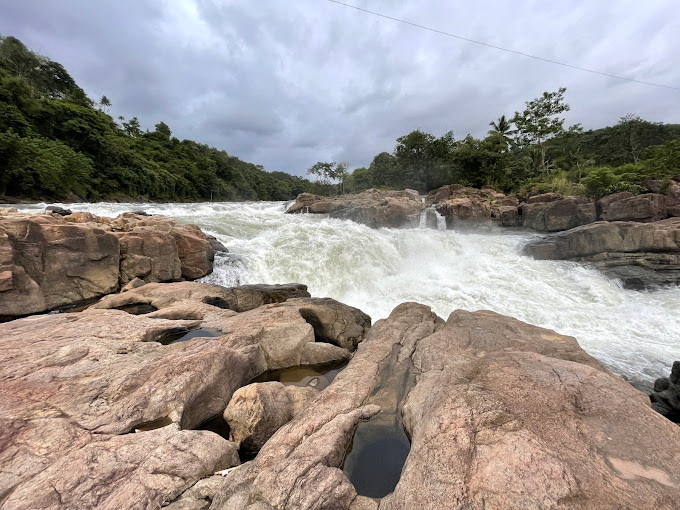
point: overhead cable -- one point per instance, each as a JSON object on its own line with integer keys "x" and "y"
{"x": 508, "y": 50}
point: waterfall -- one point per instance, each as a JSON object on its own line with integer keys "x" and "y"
{"x": 441, "y": 220}
{"x": 423, "y": 219}
{"x": 633, "y": 333}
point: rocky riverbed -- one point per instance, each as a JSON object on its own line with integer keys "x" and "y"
{"x": 99, "y": 412}
{"x": 178, "y": 394}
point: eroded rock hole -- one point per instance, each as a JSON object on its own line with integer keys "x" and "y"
{"x": 137, "y": 308}
{"x": 217, "y": 301}
{"x": 216, "y": 424}
{"x": 153, "y": 424}
{"x": 175, "y": 336}
{"x": 377, "y": 455}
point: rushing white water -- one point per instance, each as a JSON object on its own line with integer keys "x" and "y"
{"x": 637, "y": 334}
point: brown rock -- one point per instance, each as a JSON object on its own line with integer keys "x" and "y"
{"x": 647, "y": 208}
{"x": 303, "y": 202}
{"x": 531, "y": 422}
{"x": 465, "y": 209}
{"x": 131, "y": 471}
{"x": 75, "y": 386}
{"x": 641, "y": 254}
{"x": 551, "y": 212}
{"x": 604, "y": 203}
{"x": 333, "y": 322}
{"x": 255, "y": 412}
{"x": 298, "y": 466}
{"x": 239, "y": 299}
{"x": 374, "y": 208}
{"x": 57, "y": 261}
{"x": 148, "y": 255}
{"x": 54, "y": 263}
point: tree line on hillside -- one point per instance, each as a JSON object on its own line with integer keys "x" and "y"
{"x": 56, "y": 143}
{"x": 531, "y": 152}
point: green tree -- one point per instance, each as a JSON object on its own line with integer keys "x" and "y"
{"x": 327, "y": 172}
{"x": 383, "y": 171}
{"x": 132, "y": 127}
{"x": 540, "y": 121}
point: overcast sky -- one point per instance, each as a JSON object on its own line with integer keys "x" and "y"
{"x": 287, "y": 83}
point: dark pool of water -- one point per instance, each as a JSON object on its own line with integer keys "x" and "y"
{"x": 377, "y": 456}
{"x": 183, "y": 336}
{"x": 317, "y": 377}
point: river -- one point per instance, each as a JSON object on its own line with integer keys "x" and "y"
{"x": 636, "y": 334}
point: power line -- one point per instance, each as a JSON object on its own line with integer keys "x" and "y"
{"x": 448, "y": 34}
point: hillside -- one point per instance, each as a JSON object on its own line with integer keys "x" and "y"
{"x": 56, "y": 143}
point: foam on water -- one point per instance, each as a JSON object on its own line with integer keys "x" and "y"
{"x": 637, "y": 334}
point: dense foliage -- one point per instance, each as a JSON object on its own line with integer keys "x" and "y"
{"x": 56, "y": 143}
{"x": 532, "y": 151}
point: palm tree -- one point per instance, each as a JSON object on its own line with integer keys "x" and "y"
{"x": 104, "y": 103}
{"x": 503, "y": 129}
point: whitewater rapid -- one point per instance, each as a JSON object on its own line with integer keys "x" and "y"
{"x": 636, "y": 334}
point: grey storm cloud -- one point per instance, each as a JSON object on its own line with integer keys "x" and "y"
{"x": 286, "y": 84}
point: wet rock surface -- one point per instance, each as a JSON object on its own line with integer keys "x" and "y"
{"x": 640, "y": 254}
{"x": 666, "y": 395}
{"x": 49, "y": 261}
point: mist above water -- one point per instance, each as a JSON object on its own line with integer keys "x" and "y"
{"x": 636, "y": 334}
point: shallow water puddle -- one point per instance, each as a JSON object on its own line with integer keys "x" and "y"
{"x": 319, "y": 376}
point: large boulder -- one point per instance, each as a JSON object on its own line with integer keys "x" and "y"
{"x": 640, "y": 254}
{"x": 460, "y": 205}
{"x": 49, "y": 261}
{"x": 531, "y": 421}
{"x": 551, "y": 212}
{"x": 333, "y": 322}
{"x": 500, "y": 414}
{"x": 255, "y": 412}
{"x": 375, "y": 208}
{"x": 648, "y": 207}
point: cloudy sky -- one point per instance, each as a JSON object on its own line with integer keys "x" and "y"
{"x": 287, "y": 83}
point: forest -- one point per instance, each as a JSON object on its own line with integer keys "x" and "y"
{"x": 530, "y": 152}
{"x": 58, "y": 144}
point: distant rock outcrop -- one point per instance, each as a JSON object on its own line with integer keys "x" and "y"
{"x": 373, "y": 207}
{"x": 640, "y": 254}
{"x": 467, "y": 206}
{"x": 49, "y": 261}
